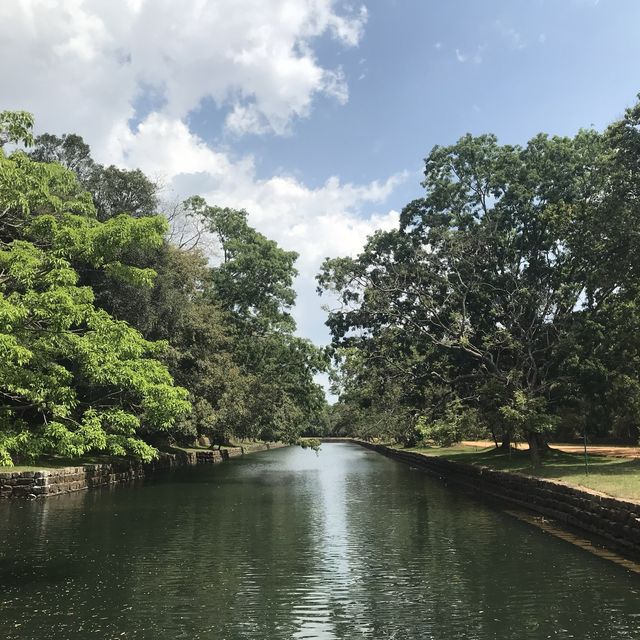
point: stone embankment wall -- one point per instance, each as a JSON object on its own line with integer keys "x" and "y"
{"x": 47, "y": 482}
{"x": 615, "y": 522}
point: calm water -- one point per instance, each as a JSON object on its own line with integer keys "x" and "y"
{"x": 286, "y": 544}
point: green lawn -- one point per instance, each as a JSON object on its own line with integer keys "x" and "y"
{"x": 618, "y": 477}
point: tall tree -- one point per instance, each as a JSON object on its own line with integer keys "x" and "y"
{"x": 72, "y": 378}
{"x": 480, "y": 276}
{"x": 114, "y": 190}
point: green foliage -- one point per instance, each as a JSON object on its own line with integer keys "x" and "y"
{"x": 73, "y": 379}
{"x": 15, "y": 128}
{"x": 506, "y": 300}
{"x": 310, "y": 443}
{"x": 456, "y": 423}
{"x": 123, "y": 316}
{"x": 114, "y": 191}
{"x": 254, "y": 279}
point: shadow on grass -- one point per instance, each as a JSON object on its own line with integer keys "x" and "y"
{"x": 555, "y": 463}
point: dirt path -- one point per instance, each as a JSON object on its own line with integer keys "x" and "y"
{"x": 617, "y": 451}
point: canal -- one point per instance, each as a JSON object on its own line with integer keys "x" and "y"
{"x": 287, "y": 544}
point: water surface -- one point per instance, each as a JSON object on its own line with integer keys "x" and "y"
{"x": 287, "y": 544}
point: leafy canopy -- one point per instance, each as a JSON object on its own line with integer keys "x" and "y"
{"x": 72, "y": 378}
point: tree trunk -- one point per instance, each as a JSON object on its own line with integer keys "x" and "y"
{"x": 505, "y": 443}
{"x": 537, "y": 447}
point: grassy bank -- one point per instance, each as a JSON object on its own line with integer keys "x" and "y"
{"x": 617, "y": 477}
{"x": 60, "y": 462}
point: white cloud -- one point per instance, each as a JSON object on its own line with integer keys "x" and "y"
{"x": 476, "y": 57}
{"x": 349, "y": 30}
{"x": 512, "y": 36}
{"x": 81, "y": 66}
{"x": 317, "y": 223}
{"x": 82, "y": 62}
{"x": 246, "y": 119}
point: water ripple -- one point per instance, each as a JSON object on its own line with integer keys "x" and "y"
{"x": 287, "y": 544}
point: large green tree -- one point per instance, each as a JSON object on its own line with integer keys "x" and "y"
{"x": 114, "y": 190}
{"x": 253, "y": 282}
{"x": 72, "y": 378}
{"x": 504, "y": 297}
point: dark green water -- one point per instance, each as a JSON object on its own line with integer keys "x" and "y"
{"x": 286, "y": 544}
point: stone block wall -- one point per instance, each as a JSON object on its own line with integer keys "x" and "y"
{"x": 35, "y": 484}
{"x": 47, "y": 482}
{"x": 615, "y": 522}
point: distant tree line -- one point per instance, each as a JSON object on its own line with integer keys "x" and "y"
{"x": 117, "y": 333}
{"x": 506, "y": 304}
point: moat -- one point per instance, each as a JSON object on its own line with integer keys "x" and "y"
{"x": 283, "y": 544}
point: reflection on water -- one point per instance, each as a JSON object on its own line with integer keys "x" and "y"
{"x": 288, "y": 544}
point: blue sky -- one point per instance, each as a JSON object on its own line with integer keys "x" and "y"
{"x": 427, "y": 72}
{"x": 314, "y": 115}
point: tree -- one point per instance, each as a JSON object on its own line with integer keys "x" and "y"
{"x": 226, "y": 325}
{"x": 275, "y": 397}
{"x": 255, "y": 276}
{"x": 72, "y": 378}
{"x": 480, "y": 276}
{"x": 68, "y": 150}
{"x": 15, "y": 128}
{"x": 114, "y": 190}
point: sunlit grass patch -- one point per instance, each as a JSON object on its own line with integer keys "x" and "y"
{"x": 618, "y": 477}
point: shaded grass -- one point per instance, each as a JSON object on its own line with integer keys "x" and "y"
{"x": 617, "y": 477}
{"x": 59, "y": 462}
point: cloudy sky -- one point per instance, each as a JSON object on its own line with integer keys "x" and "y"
{"x": 314, "y": 115}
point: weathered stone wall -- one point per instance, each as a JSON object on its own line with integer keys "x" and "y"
{"x": 47, "y": 482}
{"x": 615, "y": 522}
